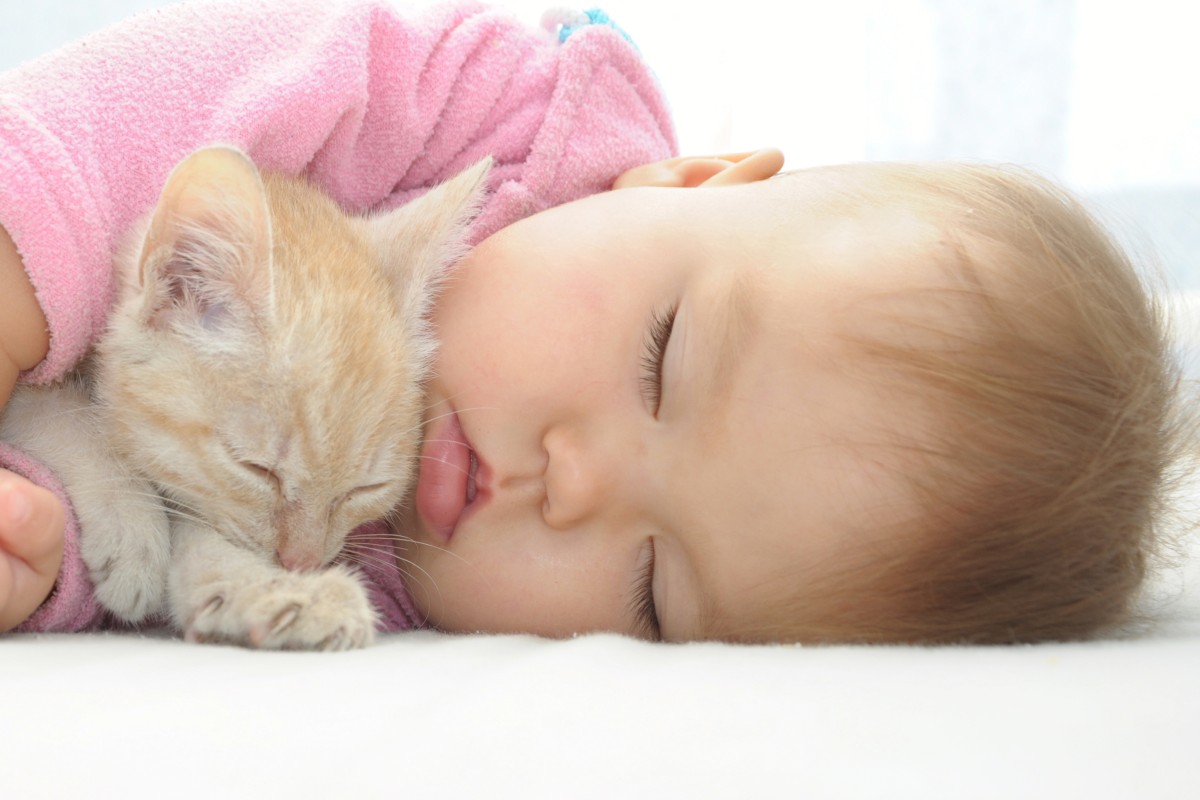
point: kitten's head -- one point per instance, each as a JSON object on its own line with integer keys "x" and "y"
{"x": 264, "y": 364}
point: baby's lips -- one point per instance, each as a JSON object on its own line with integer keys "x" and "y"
{"x": 444, "y": 476}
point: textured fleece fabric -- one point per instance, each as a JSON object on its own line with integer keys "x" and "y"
{"x": 372, "y": 102}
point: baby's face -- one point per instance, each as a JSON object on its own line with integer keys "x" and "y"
{"x": 640, "y": 395}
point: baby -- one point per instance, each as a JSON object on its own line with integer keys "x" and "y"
{"x": 861, "y": 403}
{"x": 871, "y": 403}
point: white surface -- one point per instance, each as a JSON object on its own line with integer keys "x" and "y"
{"x": 1098, "y": 94}
{"x": 426, "y": 715}
{"x": 430, "y": 715}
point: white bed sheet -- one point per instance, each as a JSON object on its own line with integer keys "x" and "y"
{"x": 430, "y": 715}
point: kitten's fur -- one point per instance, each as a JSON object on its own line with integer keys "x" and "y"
{"x": 262, "y": 372}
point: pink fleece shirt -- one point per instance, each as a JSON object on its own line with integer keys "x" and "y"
{"x": 372, "y": 102}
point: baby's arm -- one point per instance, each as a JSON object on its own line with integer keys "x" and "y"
{"x": 31, "y": 518}
{"x": 23, "y": 337}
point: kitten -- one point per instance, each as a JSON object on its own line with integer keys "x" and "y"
{"x": 255, "y": 398}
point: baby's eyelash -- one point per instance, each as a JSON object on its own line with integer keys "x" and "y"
{"x": 642, "y": 603}
{"x": 659, "y": 334}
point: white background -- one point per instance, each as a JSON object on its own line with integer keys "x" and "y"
{"x": 1100, "y": 94}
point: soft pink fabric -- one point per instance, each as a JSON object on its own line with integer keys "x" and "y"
{"x": 372, "y": 102}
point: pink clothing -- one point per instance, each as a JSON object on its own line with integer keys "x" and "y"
{"x": 371, "y": 102}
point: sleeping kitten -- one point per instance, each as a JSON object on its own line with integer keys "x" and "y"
{"x": 261, "y": 372}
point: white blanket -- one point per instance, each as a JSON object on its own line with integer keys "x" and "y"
{"x": 602, "y": 716}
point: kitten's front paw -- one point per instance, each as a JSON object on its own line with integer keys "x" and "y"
{"x": 287, "y": 611}
{"x": 126, "y": 546}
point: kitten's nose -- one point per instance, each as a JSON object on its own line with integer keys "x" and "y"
{"x": 296, "y": 546}
{"x": 297, "y": 559}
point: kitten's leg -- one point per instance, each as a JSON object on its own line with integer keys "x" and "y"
{"x": 219, "y": 591}
{"x": 124, "y": 530}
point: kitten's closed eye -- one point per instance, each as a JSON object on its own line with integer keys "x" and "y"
{"x": 362, "y": 492}
{"x": 261, "y": 471}
{"x": 258, "y": 469}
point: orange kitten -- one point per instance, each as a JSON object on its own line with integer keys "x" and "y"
{"x": 262, "y": 373}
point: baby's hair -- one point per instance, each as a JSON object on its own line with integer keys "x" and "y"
{"x": 1055, "y": 432}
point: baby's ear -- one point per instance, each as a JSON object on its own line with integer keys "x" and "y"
{"x": 205, "y": 260}
{"x": 417, "y": 243}
{"x": 692, "y": 171}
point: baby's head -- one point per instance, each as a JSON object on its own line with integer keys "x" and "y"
{"x": 1040, "y": 372}
{"x": 861, "y": 403}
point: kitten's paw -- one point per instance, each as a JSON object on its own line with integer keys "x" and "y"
{"x": 288, "y": 611}
{"x": 127, "y": 549}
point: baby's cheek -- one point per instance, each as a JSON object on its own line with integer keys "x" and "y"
{"x": 483, "y": 607}
{"x": 510, "y": 590}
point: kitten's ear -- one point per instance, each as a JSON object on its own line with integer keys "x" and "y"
{"x": 418, "y": 242}
{"x": 205, "y": 261}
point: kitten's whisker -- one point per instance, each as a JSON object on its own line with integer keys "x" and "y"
{"x": 385, "y": 542}
{"x": 177, "y": 513}
{"x": 365, "y": 560}
{"x": 115, "y": 484}
{"x": 114, "y": 491}
{"x": 440, "y": 416}
{"x": 374, "y": 543}
{"x": 386, "y": 556}
{"x": 466, "y": 472}
{"x": 410, "y": 540}
{"x": 477, "y": 408}
{"x": 448, "y": 400}
{"x": 146, "y": 500}
{"x": 369, "y": 547}
{"x": 448, "y": 414}
{"x": 72, "y": 412}
{"x": 171, "y": 493}
{"x": 407, "y": 575}
{"x": 399, "y": 537}
{"x": 393, "y": 537}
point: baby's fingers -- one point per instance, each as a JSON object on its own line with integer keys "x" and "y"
{"x": 688, "y": 171}
{"x": 31, "y": 546}
{"x": 31, "y": 522}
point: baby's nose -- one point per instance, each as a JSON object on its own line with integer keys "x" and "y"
{"x": 583, "y": 473}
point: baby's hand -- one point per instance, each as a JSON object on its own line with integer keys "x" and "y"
{"x": 31, "y": 547}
